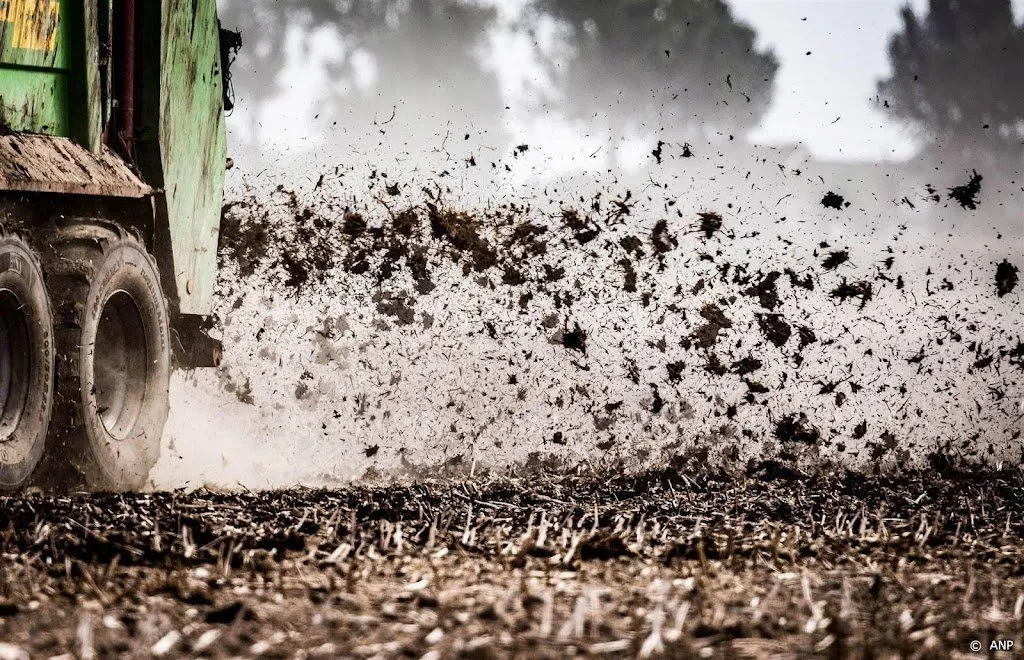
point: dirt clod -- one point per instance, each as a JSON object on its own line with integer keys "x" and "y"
{"x": 1006, "y": 278}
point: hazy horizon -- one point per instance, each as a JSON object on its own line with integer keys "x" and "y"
{"x": 830, "y": 53}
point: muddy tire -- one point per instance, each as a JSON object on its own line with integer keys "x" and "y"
{"x": 26, "y": 361}
{"x": 113, "y": 363}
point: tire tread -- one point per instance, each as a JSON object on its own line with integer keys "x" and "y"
{"x": 73, "y": 253}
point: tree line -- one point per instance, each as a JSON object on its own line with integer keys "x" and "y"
{"x": 684, "y": 68}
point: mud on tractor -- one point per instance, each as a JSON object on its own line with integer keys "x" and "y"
{"x": 112, "y": 159}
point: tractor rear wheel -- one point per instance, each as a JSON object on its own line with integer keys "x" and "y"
{"x": 26, "y": 361}
{"x": 113, "y": 362}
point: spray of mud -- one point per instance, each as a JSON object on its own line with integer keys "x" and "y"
{"x": 751, "y": 317}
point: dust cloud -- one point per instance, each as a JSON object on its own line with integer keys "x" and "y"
{"x": 434, "y": 263}
{"x": 407, "y": 337}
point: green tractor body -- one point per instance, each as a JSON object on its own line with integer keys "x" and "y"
{"x": 112, "y": 160}
{"x": 70, "y": 69}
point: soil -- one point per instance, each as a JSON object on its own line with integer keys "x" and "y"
{"x": 770, "y": 563}
{"x": 1006, "y": 278}
{"x": 967, "y": 194}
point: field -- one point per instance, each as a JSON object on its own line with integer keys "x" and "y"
{"x": 771, "y": 563}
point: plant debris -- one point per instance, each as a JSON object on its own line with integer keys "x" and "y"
{"x": 710, "y": 222}
{"x": 535, "y": 314}
{"x": 1006, "y": 278}
{"x": 833, "y": 200}
{"x": 967, "y": 194}
{"x": 775, "y": 563}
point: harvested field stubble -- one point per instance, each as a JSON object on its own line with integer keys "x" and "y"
{"x": 666, "y": 564}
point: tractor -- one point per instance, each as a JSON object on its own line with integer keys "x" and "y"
{"x": 112, "y": 167}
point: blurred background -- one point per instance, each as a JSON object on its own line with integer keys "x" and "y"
{"x": 870, "y": 88}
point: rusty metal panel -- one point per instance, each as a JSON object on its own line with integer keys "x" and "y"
{"x": 39, "y": 163}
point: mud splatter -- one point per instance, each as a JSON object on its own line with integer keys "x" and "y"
{"x": 967, "y": 194}
{"x": 765, "y": 291}
{"x": 835, "y": 259}
{"x": 710, "y": 222}
{"x": 1006, "y": 278}
{"x": 657, "y": 151}
{"x": 797, "y": 428}
{"x": 575, "y": 339}
{"x": 833, "y": 200}
{"x": 514, "y": 322}
{"x": 707, "y": 335}
{"x": 775, "y": 328}
{"x": 861, "y": 290}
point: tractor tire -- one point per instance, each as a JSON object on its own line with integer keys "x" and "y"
{"x": 113, "y": 359}
{"x": 26, "y": 361}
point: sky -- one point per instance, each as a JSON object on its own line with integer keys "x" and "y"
{"x": 831, "y": 54}
{"x": 847, "y": 41}
{"x": 824, "y": 99}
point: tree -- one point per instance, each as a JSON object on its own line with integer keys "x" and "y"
{"x": 685, "y": 66}
{"x": 958, "y": 78}
{"x": 424, "y": 53}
